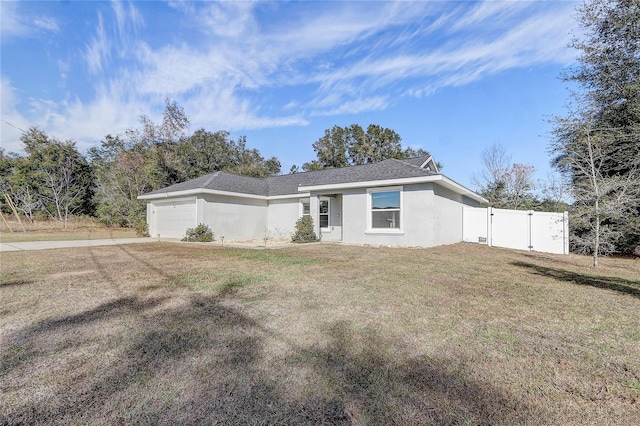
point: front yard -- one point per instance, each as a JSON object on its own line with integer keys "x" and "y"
{"x": 323, "y": 334}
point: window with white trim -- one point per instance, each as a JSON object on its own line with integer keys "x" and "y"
{"x": 306, "y": 208}
{"x": 324, "y": 213}
{"x": 385, "y": 209}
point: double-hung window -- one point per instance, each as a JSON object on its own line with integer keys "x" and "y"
{"x": 324, "y": 213}
{"x": 386, "y": 208}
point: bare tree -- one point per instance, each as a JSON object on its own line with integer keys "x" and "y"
{"x": 555, "y": 191}
{"x": 504, "y": 184}
{"x": 518, "y": 184}
{"x": 602, "y": 200}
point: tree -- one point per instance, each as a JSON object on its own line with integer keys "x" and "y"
{"x": 352, "y": 146}
{"x": 331, "y": 149}
{"x": 121, "y": 176}
{"x": 596, "y": 146}
{"x": 160, "y": 154}
{"x": 555, "y": 193}
{"x": 504, "y": 184}
{"x": 58, "y": 176}
{"x": 602, "y": 201}
{"x": 518, "y": 186}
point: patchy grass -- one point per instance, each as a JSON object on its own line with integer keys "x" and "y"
{"x": 323, "y": 334}
{"x": 79, "y": 228}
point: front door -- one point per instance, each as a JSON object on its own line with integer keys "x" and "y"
{"x": 329, "y": 216}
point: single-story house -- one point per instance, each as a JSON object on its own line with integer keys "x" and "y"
{"x": 393, "y": 202}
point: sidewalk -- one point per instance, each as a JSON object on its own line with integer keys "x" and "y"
{"x": 46, "y": 245}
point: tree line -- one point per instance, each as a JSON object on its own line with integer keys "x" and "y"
{"x": 53, "y": 179}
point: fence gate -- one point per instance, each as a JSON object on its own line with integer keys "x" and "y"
{"x": 517, "y": 229}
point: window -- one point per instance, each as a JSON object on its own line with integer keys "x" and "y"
{"x": 324, "y": 213}
{"x": 385, "y": 209}
{"x": 306, "y": 209}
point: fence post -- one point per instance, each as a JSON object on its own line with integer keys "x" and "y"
{"x": 530, "y": 215}
{"x": 565, "y": 232}
{"x": 490, "y": 226}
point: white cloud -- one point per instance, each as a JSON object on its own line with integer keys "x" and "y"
{"x": 17, "y": 22}
{"x": 13, "y": 122}
{"x": 341, "y": 58}
{"x": 46, "y": 23}
{"x": 538, "y": 39}
{"x": 98, "y": 50}
{"x": 376, "y": 103}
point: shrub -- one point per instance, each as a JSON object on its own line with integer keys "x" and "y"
{"x": 200, "y": 234}
{"x": 304, "y": 232}
{"x": 142, "y": 229}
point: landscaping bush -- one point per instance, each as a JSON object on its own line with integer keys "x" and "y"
{"x": 142, "y": 229}
{"x": 304, "y": 232}
{"x": 200, "y": 234}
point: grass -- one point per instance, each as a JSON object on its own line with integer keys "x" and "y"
{"x": 324, "y": 334}
{"x": 79, "y": 228}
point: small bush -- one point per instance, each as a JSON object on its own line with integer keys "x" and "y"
{"x": 142, "y": 229}
{"x": 200, "y": 234}
{"x": 304, "y": 232}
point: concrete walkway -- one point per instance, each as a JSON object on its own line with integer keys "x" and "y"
{"x": 46, "y": 245}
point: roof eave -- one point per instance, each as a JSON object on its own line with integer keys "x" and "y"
{"x": 200, "y": 191}
{"x": 438, "y": 179}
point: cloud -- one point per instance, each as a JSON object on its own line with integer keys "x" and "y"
{"x": 376, "y": 103}
{"x": 250, "y": 65}
{"x": 98, "y": 50}
{"x": 540, "y": 38}
{"x": 13, "y": 122}
{"x": 18, "y": 22}
{"x": 46, "y": 23}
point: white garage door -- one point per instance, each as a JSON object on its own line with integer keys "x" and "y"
{"x": 172, "y": 219}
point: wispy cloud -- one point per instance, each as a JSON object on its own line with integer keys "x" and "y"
{"x": 13, "y": 122}
{"x": 46, "y": 23}
{"x": 98, "y": 50}
{"x": 322, "y": 59}
{"x": 18, "y": 22}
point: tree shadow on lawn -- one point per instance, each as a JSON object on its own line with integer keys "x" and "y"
{"x": 15, "y": 283}
{"x": 621, "y": 285}
{"x": 206, "y": 362}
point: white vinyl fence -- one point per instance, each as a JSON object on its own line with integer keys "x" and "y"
{"x": 517, "y": 229}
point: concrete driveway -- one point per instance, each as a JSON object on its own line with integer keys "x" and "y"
{"x": 46, "y": 245}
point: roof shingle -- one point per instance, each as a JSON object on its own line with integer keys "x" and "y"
{"x": 288, "y": 184}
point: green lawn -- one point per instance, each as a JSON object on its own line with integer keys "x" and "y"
{"x": 323, "y": 334}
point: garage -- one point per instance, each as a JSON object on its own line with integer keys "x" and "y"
{"x": 171, "y": 219}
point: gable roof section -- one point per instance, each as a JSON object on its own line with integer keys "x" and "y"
{"x": 386, "y": 172}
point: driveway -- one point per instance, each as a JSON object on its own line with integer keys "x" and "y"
{"x": 46, "y": 245}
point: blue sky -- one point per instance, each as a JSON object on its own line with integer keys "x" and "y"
{"x": 450, "y": 77}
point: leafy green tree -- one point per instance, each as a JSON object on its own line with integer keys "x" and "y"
{"x": 121, "y": 176}
{"x": 331, "y": 149}
{"x": 596, "y": 146}
{"x": 59, "y": 176}
{"x": 376, "y": 144}
{"x": 352, "y": 145}
{"x": 160, "y": 154}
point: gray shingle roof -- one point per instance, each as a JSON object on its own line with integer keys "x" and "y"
{"x": 289, "y": 184}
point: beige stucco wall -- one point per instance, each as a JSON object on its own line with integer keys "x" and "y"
{"x": 233, "y": 217}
